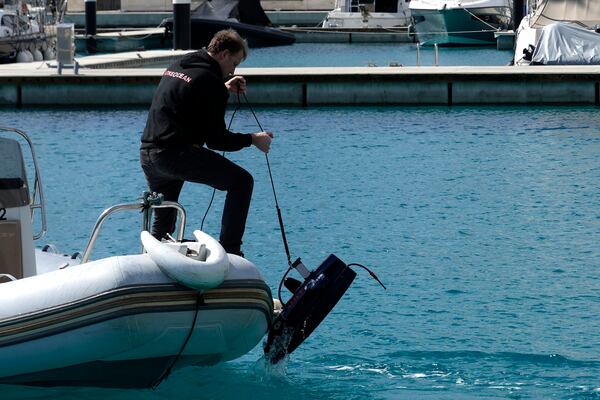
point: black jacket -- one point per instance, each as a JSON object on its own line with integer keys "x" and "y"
{"x": 189, "y": 106}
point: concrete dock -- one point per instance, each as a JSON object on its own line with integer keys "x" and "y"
{"x": 99, "y": 82}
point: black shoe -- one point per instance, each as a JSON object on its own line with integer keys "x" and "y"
{"x": 235, "y": 249}
{"x": 237, "y": 253}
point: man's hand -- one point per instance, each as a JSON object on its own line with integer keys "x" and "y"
{"x": 262, "y": 141}
{"x": 237, "y": 84}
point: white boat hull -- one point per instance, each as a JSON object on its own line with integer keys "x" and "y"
{"x": 377, "y": 14}
{"x": 121, "y": 322}
{"x": 459, "y": 25}
{"x": 356, "y": 20}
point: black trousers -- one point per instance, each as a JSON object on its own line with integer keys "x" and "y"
{"x": 167, "y": 169}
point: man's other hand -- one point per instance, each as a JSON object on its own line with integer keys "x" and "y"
{"x": 236, "y": 85}
{"x": 262, "y": 140}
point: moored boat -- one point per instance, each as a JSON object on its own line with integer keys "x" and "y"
{"x": 354, "y": 14}
{"x": 25, "y": 35}
{"x": 459, "y": 22}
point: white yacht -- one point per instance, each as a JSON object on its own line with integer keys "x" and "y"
{"x": 459, "y": 22}
{"x": 354, "y": 14}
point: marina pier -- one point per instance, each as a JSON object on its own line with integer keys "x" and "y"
{"x": 111, "y": 81}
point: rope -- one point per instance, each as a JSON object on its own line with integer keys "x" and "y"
{"x": 280, "y": 218}
{"x": 167, "y": 371}
{"x": 476, "y": 17}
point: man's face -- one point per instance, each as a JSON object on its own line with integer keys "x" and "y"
{"x": 229, "y": 61}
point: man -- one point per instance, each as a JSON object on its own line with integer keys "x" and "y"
{"x": 188, "y": 112}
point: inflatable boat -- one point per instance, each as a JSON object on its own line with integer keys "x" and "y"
{"x": 128, "y": 320}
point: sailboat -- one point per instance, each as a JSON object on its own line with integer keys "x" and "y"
{"x": 26, "y": 34}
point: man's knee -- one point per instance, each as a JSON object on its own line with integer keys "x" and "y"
{"x": 245, "y": 181}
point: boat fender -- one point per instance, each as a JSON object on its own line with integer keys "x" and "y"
{"x": 310, "y": 303}
{"x": 528, "y": 52}
{"x": 24, "y": 56}
{"x": 50, "y": 248}
{"x": 37, "y": 55}
{"x": 200, "y": 265}
{"x": 411, "y": 33}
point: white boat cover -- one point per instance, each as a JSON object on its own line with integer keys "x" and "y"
{"x": 565, "y": 44}
{"x": 586, "y": 12}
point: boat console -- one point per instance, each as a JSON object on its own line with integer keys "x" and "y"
{"x": 17, "y": 258}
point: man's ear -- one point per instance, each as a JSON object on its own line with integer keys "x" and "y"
{"x": 222, "y": 55}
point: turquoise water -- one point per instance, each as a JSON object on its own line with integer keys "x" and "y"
{"x": 379, "y": 54}
{"x": 369, "y": 54}
{"x": 483, "y": 222}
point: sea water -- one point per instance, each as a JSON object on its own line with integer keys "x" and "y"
{"x": 373, "y": 54}
{"x": 369, "y": 54}
{"x": 483, "y": 223}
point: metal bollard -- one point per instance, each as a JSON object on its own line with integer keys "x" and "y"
{"x": 436, "y": 54}
{"x": 418, "y": 54}
{"x": 90, "y": 26}
{"x": 182, "y": 25}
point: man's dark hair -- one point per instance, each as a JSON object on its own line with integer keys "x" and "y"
{"x": 228, "y": 39}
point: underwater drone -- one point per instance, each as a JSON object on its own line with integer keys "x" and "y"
{"x": 310, "y": 303}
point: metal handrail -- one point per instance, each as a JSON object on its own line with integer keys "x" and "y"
{"x": 149, "y": 202}
{"x": 8, "y": 276}
{"x": 37, "y": 184}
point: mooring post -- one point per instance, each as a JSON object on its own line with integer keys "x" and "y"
{"x": 518, "y": 12}
{"x": 182, "y": 28}
{"x": 90, "y": 26}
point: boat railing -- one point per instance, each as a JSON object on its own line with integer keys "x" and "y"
{"x": 436, "y": 55}
{"x": 149, "y": 202}
{"x": 34, "y": 203}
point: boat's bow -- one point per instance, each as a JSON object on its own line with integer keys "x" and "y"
{"x": 200, "y": 265}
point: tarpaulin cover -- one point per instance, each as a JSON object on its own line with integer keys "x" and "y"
{"x": 246, "y": 11}
{"x": 564, "y": 43}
